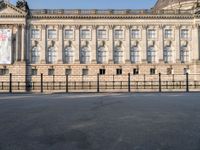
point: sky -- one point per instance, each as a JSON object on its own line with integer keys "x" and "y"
{"x": 89, "y": 4}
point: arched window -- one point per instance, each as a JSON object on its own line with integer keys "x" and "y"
{"x": 69, "y": 55}
{"x": 151, "y": 55}
{"x": 167, "y": 54}
{"x": 101, "y": 55}
{"x": 35, "y": 55}
{"x": 118, "y": 55}
{"x": 51, "y": 55}
{"x": 184, "y": 54}
{"x": 85, "y": 55}
{"x": 134, "y": 54}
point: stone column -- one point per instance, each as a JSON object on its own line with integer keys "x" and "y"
{"x": 94, "y": 45}
{"x": 195, "y": 43}
{"x": 161, "y": 44}
{"x": 144, "y": 44}
{"x": 43, "y": 45}
{"x": 111, "y": 42}
{"x": 23, "y": 43}
{"x": 17, "y": 44}
{"x": 128, "y": 44}
{"x": 177, "y": 43}
{"x": 60, "y": 45}
{"x": 77, "y": 44}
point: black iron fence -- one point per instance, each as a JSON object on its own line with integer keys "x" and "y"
{"x": 100, "y": 83}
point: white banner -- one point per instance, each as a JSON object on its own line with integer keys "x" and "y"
{"x": 5, "y": 46}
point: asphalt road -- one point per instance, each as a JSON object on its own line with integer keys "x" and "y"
{"x": 100, "y": 122}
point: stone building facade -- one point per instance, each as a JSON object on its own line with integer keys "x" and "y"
{"x": 162, "y": 40}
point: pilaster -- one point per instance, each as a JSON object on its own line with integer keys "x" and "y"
{"x": 111, "y": 42}
{"x": 77, "y": 44}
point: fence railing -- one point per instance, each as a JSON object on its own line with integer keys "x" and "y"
{"x": 100, "y": 83}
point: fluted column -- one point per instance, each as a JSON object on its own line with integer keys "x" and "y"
{"x": 60, "y": 45}
{"x": 43, "y": 45}
{"x": 177, "y": 42}
{"x": 195, "y": 43}
{"x": 128, "y": 43}
{"x": 111, "y": 41}
{"x": 144, "y": 44}
{"x": 23, "y": 43}
{"x": 94, "y": 45}
{"x": 77, "y": 44}
{"x": 161, "y": 44}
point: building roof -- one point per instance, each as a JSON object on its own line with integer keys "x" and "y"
{"x": 165, "y": 3}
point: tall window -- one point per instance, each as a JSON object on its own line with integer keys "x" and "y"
{"x": 35, "y": 55}
{"x": 151, "y": 34}
{"x": 119, "y": 34}
{"x": 151, "y": 55}
{"x": 184, "y": 33}
{"x": 168, "y": 33}
{"x": 118, "y": 55}
{"x": 69, "y": 34}
{"x": 101, "y": 55}
{"x": 134, "y": 54}
{"x": 135, "y": 34}
{"x": 184, "y": 54}
{"x": 68, "y": 55}
{"x": 51, "y": 55}
{"x": 85, "y": 34}
{"x": 102, "y": 34}
{"x": 85, "y": 55}
{"x": 35, "y": 33}
{"x": 52, "y": 34}
{"x": 167, "y": 54}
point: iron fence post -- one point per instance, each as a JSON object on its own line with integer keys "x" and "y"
{"x": 41, "y": 83}
{"x": 187, "y": 82}
{"x": 160, "y": 84}
{"x": 10, "y": 84}
{"x": 67, "y": 90}
{"x": 129, "y": 82}
{"x": 98, "y": 83}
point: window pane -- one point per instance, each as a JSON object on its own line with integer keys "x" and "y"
{"x": 135, "y": 34}
{"x": 85, "y": 34}
{"x": 52, "y": 34}
{"x": 151, "y": 34}
{"x": 85, "y": 55}
{"x": 35, "y": 56}
{"x": 69, "y": 34}
{"x": 51, "y": 55}
{"x": 184, "y": 33}
{"x": 102, "y": 34}
{"x": 68, "y": 55}
{"x": 168, "y": 33}
{"x": 35, "y": 34}
{"x": 119, "y": 34}
{"x": 101, "y": 55}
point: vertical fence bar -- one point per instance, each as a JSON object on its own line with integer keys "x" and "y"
{"x": 160, "y": 84}
{"x": 67, "y": 79}
{"x": 10, "y": 85}
{"x": 41, "y": 83}
{"x": 187, "y": 82}
{"x": 113, "y": 81}
{"x": 53, "y": 82}
{"x": 129, "y": 82}
{"x": 98, "y": 83}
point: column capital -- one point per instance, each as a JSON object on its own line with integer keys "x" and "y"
{"x": 111, "y": 27}
{"x": 77, "y": 27}
{"x": 145, "y": 27}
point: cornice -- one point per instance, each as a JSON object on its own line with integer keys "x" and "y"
{"x": 112, "y": 16}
